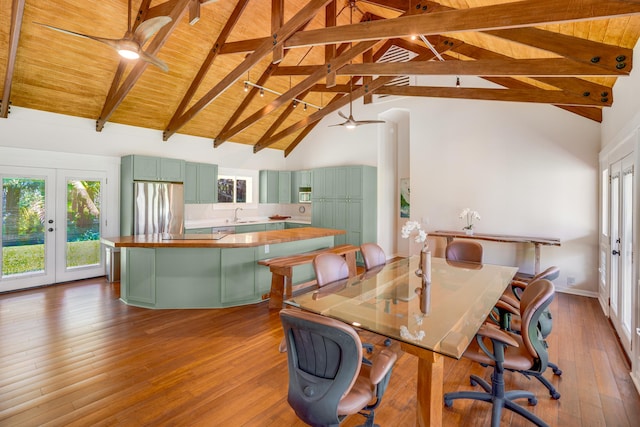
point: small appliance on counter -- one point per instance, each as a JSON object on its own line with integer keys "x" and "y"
{"x": 304, "y": 194}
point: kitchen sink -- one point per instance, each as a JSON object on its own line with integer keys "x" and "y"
{"x": 243, "y": 221}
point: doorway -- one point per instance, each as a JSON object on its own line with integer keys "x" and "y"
{"x": 621, "y": 244}
{"x": 51, "y": 226}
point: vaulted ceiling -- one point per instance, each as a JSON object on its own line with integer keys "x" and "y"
{"x": 305, "y": 53}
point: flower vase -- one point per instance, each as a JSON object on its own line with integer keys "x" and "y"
{"x": 468, "y": 231}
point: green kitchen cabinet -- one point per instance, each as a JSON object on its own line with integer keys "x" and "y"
{"x": 300, "y": 179}
{"x": 238, "y": 284}
{"x": 323, "y": 180}
{"x": 269, "y": 190}
{"x": 146, "y": 168}
{"x": 274, "y": 226}
{"x": 288, "y": 225}
{"x": 284, "y": 187}
{"x": 201, "y": 230}
{"x": 249, "y": 228}
{"x": 138, "y": 285}
{"x": 201, "y": 183}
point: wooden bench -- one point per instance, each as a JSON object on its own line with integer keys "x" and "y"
{"x": 282, "y": 271}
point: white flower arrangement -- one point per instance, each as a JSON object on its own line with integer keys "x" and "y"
{"x": 469, "y": 215}
{"x": 411, "y": 226}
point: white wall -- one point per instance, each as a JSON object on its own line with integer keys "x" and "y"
{"x": 528, "y": 169}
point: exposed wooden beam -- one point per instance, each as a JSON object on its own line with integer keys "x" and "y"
{"x": 297, "y": 89}
{"x": 590, "y": 113}
{"x": 330, "y": 49}
{"x": 303, "y": 16}
{"x": 280, "y": 120}
{"x": 514, "y": 95}
{"x": 367, "y": 58}
{"x": 113, "y": 100}
{"x": 297, "y": 70}
{"x": 211, "y": 56}
{"x": 500, "y": 16}
{"x": 502, "y": 67}
{"x": 576, "y": 48}
{"x": 305, "y": 131}
{"x": 330, "y": 108}
{"x": 17, "y": 12}
{"x": 277, "y": 20}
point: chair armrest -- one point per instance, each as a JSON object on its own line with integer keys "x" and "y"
{"x": 381, "y": 365}
{"x": 507, "y": 303}
{"x": 495, "y": 333}
{"x": 518, "y": 286}
{"x": 282, "y": 347}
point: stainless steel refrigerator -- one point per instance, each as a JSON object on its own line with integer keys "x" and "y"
{"x": 159, "y": 208}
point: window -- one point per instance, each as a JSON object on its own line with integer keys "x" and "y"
{"x": 235, "y": 189}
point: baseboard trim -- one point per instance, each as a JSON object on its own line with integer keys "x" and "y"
{"x": 579, "y": 292}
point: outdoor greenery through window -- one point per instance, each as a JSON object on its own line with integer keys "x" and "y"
{"x": 25, "y": 224}
{"x": 235, "y": 189}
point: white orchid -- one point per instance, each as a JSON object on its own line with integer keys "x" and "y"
{"x": 411, "y": 226}
{"x": 469, "y": 215}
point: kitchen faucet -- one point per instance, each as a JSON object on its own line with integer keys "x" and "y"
{"x": 235, "y": 214}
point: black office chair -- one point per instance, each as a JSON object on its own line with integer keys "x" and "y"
{"x": 464, "y": 250}
{"x": 525, "y": 353}
{"x": 327, "y": 379}
{"x": 330, "y": 269}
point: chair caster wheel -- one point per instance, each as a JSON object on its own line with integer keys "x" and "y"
{"x": 473, "y": 382}
{"x": 557, "y": 371}
{"x": 387, "y": 342}
{"x": 448, "y": 403}
{"x": 533, "y": 401}
{"x": 555, "y": 395}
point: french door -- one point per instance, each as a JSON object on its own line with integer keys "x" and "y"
{"x": 51, "y": 224}
{"x": 621, "y": 243}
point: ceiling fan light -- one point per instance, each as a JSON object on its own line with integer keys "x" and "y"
{"x": 350, "y": 125}
{"x": 129, "y": 49}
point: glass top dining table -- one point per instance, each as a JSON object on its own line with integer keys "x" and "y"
{"x": 440, "y": 318}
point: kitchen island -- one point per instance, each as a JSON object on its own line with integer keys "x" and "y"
{"x": 209, "y": 270}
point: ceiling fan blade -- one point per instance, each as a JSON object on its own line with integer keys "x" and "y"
{"x": 151, "y": 59}
{"x": 342, "y": 115}
{"x": 368, "y": 122}
{"x": 338, "y": 124}
{"x": 148, "y": 28}
{"x": 114, "y": 43}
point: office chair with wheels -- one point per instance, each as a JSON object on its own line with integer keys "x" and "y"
{"x": 327, "y": 379}
{"x": 464, "y": 250}
{"x": 525, "y": 353}
{"x": 329, "y": 269}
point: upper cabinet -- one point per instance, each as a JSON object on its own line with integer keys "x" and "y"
{"x": 275, "y": 186}
{"x": 299, "y": 179}
{"x": 147, "y": 168}
{"x": 201, "y": 183}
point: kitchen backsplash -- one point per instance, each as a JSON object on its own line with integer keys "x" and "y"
{"x": 195, "y": 212}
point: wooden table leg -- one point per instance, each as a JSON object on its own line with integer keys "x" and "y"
{"x": 536, "y": 267}
{"x": 430, "y": 385}
{"x": 277, "y": 291}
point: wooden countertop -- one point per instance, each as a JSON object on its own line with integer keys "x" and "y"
{"x": 242, "y": 240}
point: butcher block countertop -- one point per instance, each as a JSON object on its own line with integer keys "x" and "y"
{"x": 242, "y": 240}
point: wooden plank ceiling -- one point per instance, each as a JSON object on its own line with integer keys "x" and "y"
{"x": 565, "y": 53}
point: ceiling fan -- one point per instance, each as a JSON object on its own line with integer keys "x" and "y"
{"x": 350, "y": 122}
{"x": 130, "y": 46}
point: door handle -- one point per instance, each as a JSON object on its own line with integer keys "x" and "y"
{"x": 50, "y": 221}
{"x": 614, "y": 252}
{"x": 50, "y": 229}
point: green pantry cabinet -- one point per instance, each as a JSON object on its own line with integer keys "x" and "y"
{"x": 206, "y": 277}
{"x": 345, "y": 198}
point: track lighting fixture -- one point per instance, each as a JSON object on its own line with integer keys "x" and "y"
{"x": 263, "y": 89}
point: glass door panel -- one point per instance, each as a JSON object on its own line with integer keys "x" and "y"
{"x": 27, "y": 228}
{"x": 78, "y": 252}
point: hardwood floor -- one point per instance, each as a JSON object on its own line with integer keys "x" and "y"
{"x": 74, "y": 355}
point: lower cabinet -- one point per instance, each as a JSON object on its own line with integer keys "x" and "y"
{"x": 138, "y": 285}
{"x": 238, "y": 277}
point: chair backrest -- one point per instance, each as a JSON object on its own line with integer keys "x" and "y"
{"x": 550, "y": 273}
{"x": 324, "y": 359}
{"x": 464, "y": 250}
{"x": 373, "y": 255}
{"x": 535, "y": 301}
{"x": 330, "y": 268}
